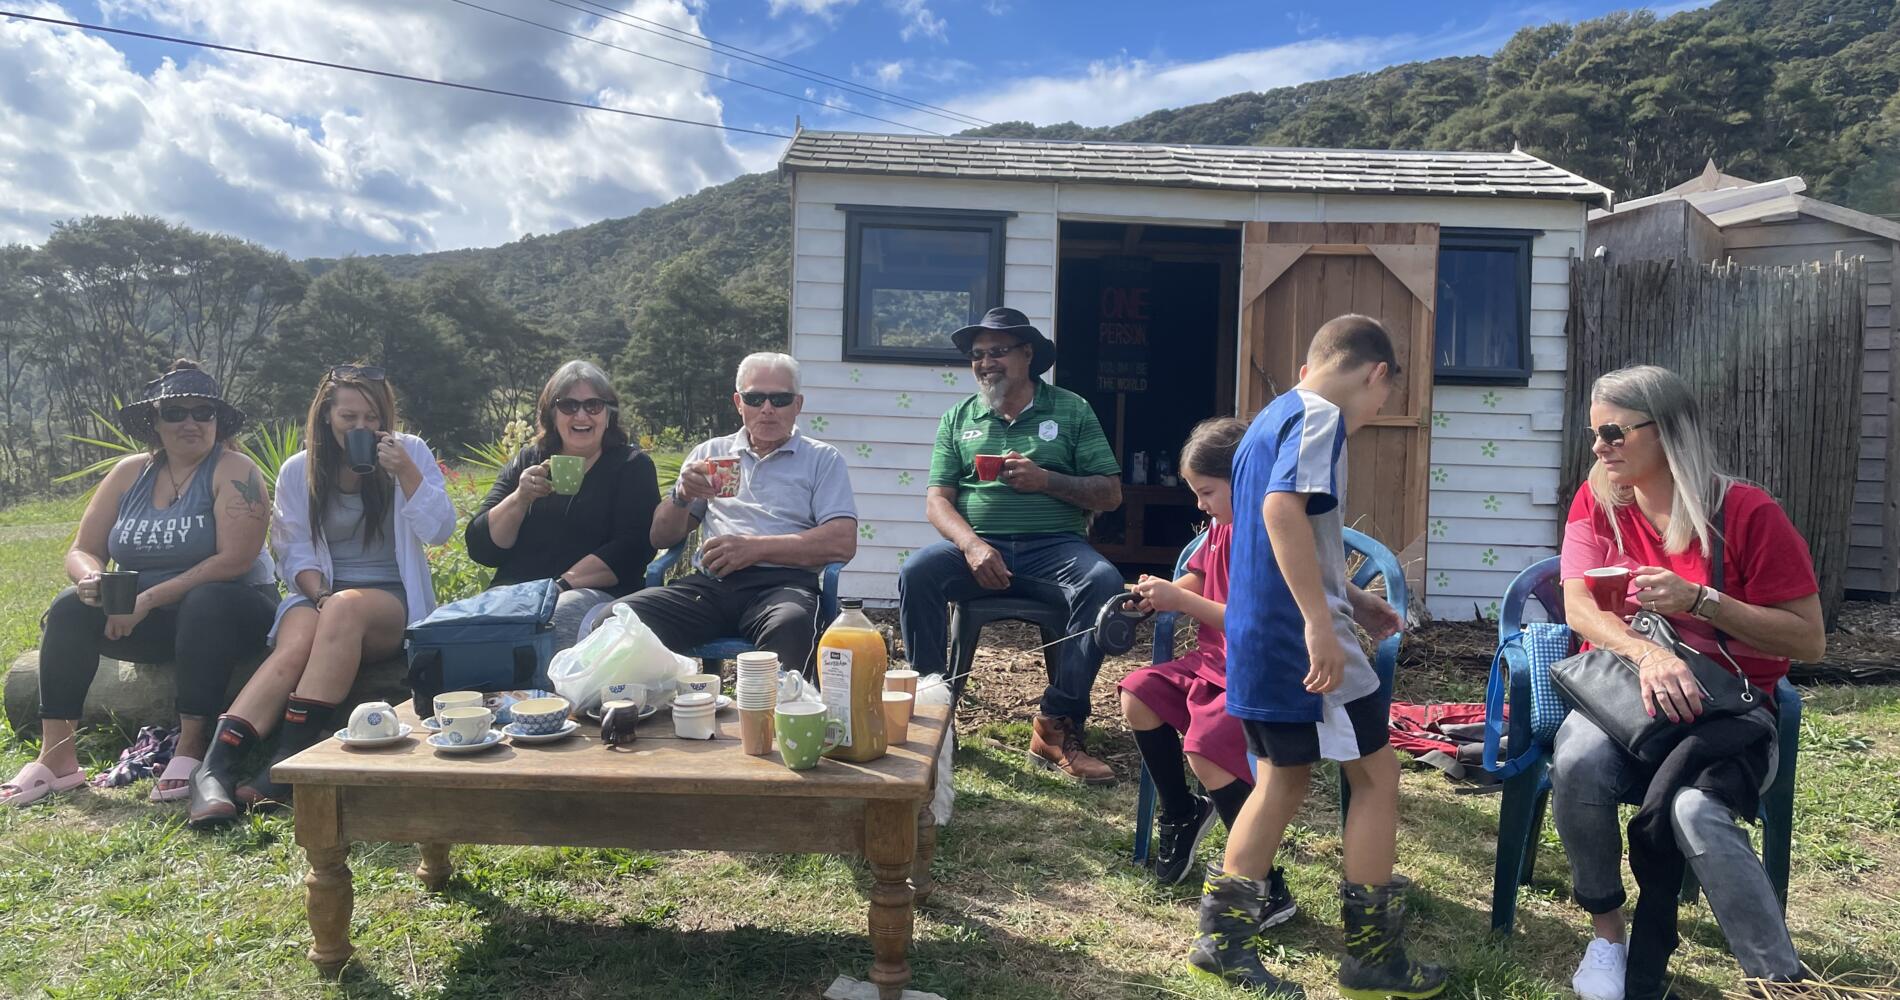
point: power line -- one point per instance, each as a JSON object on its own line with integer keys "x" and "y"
{"x": 720, "y": 76}
{"x": 387, "y": 74}
{"x": 776, "y": 65}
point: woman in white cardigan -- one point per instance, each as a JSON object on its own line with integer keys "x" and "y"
{"x": 349, "y": 547}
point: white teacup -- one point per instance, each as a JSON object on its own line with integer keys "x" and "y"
{"x": 373, "y": 720}
{"x": 700, "y": 684}
{"x": 456, "y": 699}
{"x": 469, "y": 724}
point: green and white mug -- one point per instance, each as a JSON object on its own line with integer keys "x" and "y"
{"x": 805, "y": 733}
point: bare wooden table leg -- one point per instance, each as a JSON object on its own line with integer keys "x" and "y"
{"x": 890, "y": 846}
{"x": 920, "y": 881}
{"x": 329, "y": 895}
{"x": 435, "y": 869}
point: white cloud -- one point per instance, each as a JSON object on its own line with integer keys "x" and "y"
{"x": 1112, "y": 91}
{"x": 889, "y": 73}
{"x": 920, "y": 22}
{"x": 818, "y": 8}
{"x": 316, "y": 161}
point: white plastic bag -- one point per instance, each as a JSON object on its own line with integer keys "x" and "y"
{"x": 931, "y": 690}
{"x": 622, "y": 651}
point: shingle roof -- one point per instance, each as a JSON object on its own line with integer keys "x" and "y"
{"x": 1231, "y": 168}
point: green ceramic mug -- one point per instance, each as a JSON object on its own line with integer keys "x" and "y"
{"x": 564, "y": 472}
{"x": 805, "y": 733}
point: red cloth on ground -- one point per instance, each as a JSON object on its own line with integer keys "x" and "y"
{"x": 1416, "y": 728}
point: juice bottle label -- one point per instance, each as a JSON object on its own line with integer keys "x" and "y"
{"x": 834, "y": 686}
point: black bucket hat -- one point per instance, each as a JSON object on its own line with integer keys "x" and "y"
{"x": 1003, "y": 319}
{"x": 180, "y": 383}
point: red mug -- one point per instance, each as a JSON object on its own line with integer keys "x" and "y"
{"x": 988, "y": 467}
{"x": 724, "y": 473}
{"x": 1610, "y": 585}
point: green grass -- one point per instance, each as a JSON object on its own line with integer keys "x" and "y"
{"x": 103, "y": 895}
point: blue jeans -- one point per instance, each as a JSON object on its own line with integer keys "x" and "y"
{"x": 937, "y": 574}
{"x": 1590, "y": 774}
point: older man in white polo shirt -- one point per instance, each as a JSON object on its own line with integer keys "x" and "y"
{"x": 756, "y": 570}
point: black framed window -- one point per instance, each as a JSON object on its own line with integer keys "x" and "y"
{"x": 914, "y": 277}
{"x": 1483, "y": 334}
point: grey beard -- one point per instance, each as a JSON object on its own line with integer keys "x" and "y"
{"x": 994, "y": 393}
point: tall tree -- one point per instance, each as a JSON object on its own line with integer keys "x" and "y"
{"x": 688, "y": 339}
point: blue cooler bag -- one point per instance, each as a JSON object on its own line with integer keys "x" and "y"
{"x": 499, "y": 640}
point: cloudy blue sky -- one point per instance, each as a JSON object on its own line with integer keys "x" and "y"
{"x": 316, "y": 162}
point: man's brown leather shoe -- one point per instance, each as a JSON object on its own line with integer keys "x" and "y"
{"x": 1057, "y": 744}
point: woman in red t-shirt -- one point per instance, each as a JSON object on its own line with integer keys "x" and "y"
{"x": 1656, "y": 504}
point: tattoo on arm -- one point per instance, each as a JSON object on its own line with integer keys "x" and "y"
{"x": 247, "y": 498}
{"x": 1096, "y": 493}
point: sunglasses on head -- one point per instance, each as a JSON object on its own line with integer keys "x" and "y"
{"x": 780, "y": 400}
{"x": 572, "y": 406}
{"x": 363, "y": 373}
{"x": 992, "y": 353}
{"x": 203, "y": 413}
{"x": 1614, "y": 434}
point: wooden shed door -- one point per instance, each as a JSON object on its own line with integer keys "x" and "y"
{"x": 1297, "y": 275}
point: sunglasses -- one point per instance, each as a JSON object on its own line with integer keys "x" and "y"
{"x": 572, "y": 406}
{"x": 364, "y": 373}
{"x": 203, "y": 413}
{"x": 1614, "y": 434}
{"x": 993, "y": 353}
{"x": 781, "y": 400}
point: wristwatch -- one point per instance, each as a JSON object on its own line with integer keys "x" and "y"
{"x": 678, "y": 499}
{"x": 562, "y": 584}
{"x": 1705, "y": 603}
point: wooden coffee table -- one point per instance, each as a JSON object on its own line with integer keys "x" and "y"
{"x": 660, "y": 793}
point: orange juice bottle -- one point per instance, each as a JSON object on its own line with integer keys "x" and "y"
{"x": 851, "y": 661}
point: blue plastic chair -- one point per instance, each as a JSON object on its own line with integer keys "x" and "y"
{"x": 1527, "y": 792}
{"x": 718, "y": 651}
{"x": 1379, "y": 563}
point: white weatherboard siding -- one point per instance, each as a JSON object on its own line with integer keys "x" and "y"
{"x": 1493, "y": 503}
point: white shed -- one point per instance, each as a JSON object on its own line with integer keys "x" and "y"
{"x": 1181, "y": 282}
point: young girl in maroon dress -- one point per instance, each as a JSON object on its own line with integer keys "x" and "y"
{"x": 1182, "y": 705}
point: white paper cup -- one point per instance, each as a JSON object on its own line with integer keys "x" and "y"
{"x": 693, "y": 713}
{"x": 462, "y": 726}
{"x": 900, "y": 680}
{"x": 897, "y": 708}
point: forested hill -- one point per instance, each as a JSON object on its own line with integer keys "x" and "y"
{"x": 1767, "y": 88}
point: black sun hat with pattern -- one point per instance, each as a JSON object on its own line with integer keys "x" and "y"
{"x": 184, "y": 381}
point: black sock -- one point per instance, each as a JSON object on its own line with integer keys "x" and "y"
{"x": 1228, "y": 799}
{"x": 1161, "y": 751}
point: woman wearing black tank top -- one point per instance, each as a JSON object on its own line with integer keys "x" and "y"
{"x": 190, "y": 517}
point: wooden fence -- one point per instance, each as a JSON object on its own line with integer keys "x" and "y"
{"x": 1774, "y": 357}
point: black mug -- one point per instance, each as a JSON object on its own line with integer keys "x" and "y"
{"x": 118, "y": 591}
{"x": 360, "y": 443}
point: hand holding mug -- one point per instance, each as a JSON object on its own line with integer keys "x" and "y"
{"x": 535, "y": 482}
{"x": 393, "y": 457}
{"x": 1023, "y": 475}
{"x": 87, "y": 589}
{"x": 695, "y": 481}
{"x": 1663, "y": 592}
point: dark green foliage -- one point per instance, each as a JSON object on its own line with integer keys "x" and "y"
{"x": 1766, "y": 88}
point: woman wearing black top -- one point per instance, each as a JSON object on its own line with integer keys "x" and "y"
{"x": 594, "y": 541}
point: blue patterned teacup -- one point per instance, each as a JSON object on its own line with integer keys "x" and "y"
{"x": 462, "y": 726}
{"x": 540, "y": 716}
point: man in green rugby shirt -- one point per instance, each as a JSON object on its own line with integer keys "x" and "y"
{"x": 1028, "y": 522}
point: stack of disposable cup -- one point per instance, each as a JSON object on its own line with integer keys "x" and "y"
{"x": 757, "y": 695}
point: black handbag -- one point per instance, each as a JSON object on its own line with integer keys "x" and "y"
{"x": 1607, "y": 688}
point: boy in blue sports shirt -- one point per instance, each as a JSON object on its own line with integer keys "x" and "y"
{"x": 1298, "y": 680}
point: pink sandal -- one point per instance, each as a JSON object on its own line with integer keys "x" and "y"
{"x": 179, "y": 770}
{"x": 36, "y": 781}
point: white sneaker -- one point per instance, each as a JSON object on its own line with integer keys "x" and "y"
{"x": 1600, "y": 975}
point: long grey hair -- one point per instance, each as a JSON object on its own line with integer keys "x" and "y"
{"x": 1700, "y": 484}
